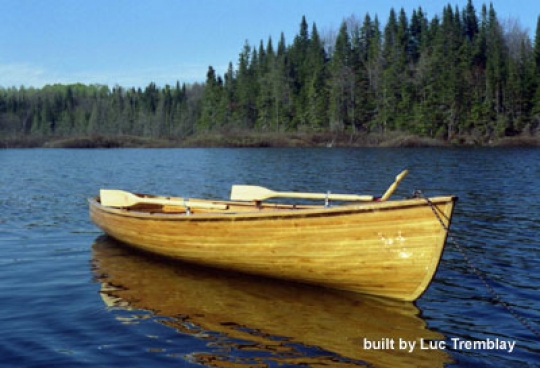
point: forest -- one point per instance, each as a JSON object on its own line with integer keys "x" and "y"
{"x": 462, "y": 77}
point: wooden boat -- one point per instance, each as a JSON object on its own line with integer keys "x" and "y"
{"x": 385, "y": 248}
{"x": 241, "y": 320}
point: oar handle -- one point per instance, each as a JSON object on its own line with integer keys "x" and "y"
{"x": 185, "y": 203}
{"x": 329, "y": 196}
{"x": 394, "y": 185}
{"x": 256, "y": 193}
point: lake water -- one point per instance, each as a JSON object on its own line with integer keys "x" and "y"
{"x": 71, "y": 297}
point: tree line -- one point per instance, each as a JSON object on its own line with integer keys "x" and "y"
{"x": 459, "y": 74}
{"x": 81, "y": 110}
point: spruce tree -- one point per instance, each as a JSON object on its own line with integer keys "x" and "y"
{"x": 341, "y": 81}
{"x": 317, "y": 92}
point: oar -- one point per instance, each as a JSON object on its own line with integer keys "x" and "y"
{"x": 394, "y": 185}
{"x": 256, "y": 193}
{"x": 120, "y": 198}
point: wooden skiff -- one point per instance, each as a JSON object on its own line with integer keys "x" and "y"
{"x": 385, "y": 248}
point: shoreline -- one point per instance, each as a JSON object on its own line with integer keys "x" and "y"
{"x": 265, "y": 140}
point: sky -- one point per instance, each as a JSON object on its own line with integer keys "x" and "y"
{"x": 131, "y": 43}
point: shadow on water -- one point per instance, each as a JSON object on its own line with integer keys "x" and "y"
{"x": 251, "y": 321}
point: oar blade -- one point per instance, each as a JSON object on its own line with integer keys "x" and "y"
{"x": 116, "y": 198}
{"x": 250, "y": 193}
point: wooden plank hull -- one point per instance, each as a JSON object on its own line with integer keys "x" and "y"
{"x": 268, "y": 315}
{"x": 390, "y": 249}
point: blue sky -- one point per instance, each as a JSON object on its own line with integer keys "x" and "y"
{"x": 134, "y": 42}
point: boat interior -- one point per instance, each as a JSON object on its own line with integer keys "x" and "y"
{"x": 205, "y": 206}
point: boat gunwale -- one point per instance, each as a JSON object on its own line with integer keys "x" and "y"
{"x": 281, "y": 213}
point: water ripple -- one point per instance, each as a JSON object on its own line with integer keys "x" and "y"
{"x": 53, "y": 313}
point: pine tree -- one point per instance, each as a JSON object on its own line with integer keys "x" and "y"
{"x": 391, "y": 78}
{"x": 470, "y": 21}
{"x": 453, "y": 76}
{"x": 374, "y": 72}
{"x": 535, "y": 109}
{"x": 265, "y": 111}
{"x": 246, "y": 90}
{"x": 299, "y": 72}
{"x": 212, "y": 114}
{"x": 495, "y": 65}
{"x": 342, "y": 81}
{"x": 317, "y": 93}
{"x": 282, "y": 94}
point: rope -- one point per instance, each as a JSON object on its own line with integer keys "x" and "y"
{"x": 476, "y": 271}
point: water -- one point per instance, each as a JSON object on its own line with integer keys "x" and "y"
{"x": 74, "y": 298}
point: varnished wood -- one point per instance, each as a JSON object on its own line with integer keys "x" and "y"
{"x": 271, "y": 316}
{"x": 390, "y": 248}
{"x": 257, "y": 193}
{"x": 121, "y": 198}
{"x": 394, "y": 185}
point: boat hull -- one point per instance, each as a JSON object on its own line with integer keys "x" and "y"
{"x": 390, "y": 249}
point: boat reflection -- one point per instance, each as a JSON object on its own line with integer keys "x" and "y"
{"x": 275, "y": 321}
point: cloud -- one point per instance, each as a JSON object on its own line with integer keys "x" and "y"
{"x": 141, "y": 77}
{"x": 18, "y": 74}
{"x": 159, "y": 74}
{"x": 31, "y": 75}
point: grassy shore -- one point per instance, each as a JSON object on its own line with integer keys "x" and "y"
{"x": 254, "y": 139}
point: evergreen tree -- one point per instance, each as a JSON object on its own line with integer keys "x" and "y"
{"x": 342, "y": 81}
{"x": 299, "y": 74}
{"x": 391, "y": 76}
{"x": 536, "y": 56}
{"x": 265, "y": 103}
{"x": 246, "y": 90}
{"x": 212, "y": 115}
{"x": 495, "y": 64}
{"x": 317, "y": 93}
{"x": 470, "y": 21}
{"x": 458, "y": 75}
